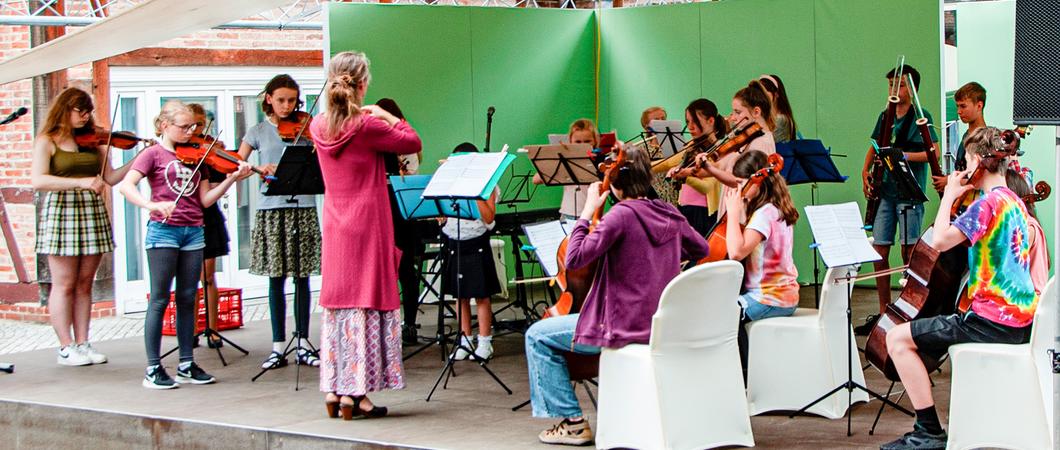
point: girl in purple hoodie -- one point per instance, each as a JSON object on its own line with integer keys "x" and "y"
{"x": 619, "y": 307}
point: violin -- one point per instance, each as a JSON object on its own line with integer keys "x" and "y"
{"x": 735, "y": 140}
{"x": 716, "y": 242}
{"x": 1041, "y": 192}
{"x": 1010, "y": 144}
{"x": 294, "y": 125}
{"x": 211, "y": 152}
{"x": 576, "y": 283}
{"x": 86, "y": 137}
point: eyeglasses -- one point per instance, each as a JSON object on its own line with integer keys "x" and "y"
{"x": 83, "y": 112}
{"x": 186, "y": 128}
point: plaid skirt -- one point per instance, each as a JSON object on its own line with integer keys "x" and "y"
{"x": 276, "y": 234}
{"x": 74, "y": 223}
{"x": 360, "y": 351}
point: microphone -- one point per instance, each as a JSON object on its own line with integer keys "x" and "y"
{"x": 490, "y": 111}
{"x": 14, "y": 116}
{"x": 489, "y": 126}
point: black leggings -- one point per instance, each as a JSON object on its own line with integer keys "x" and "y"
{"x": 164, "y": 265}
{"x": 278, "y": 307}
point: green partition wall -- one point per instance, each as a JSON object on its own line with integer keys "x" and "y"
{"x": 446, "y": 65}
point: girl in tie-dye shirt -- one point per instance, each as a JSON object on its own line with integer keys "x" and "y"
{"x": 999, "y": 258}
{"x": 764, "y": 244}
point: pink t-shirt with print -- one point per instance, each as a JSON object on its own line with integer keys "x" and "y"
{"x": 166, "y": 175}
{"x": 770, "y": 269}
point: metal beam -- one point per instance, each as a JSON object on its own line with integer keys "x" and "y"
{"x": 75, "y": 21}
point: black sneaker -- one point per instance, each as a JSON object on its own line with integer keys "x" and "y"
{"x": 866, "y": 328}
{"x": 193, "y": 375}
{"x": 409, "y": 336}
{"x": 918, "y": 439}
{"x": 156, "y": 378}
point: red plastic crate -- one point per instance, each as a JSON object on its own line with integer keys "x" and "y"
{"x": 229, "y": 311}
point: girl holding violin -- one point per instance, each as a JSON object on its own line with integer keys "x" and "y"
{"x": 698, "y": 198}
{"x": 282, "y": 223}
{"x": 174, "y": 239}
{"x": 764, "y": 245}
{"x": 752, "y": 117}
{"x": 74, "y": 230}
{"x": 1002, "y": 292}
{"x": 215, "y": 233}
{"x": 635, "y": 233}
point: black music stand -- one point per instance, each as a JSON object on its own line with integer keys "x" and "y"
{"x": 671, "y": 140}
{"x": 564, "y": 164}
{"x": 849, "y": 385}
{"x": 808, "y": 161}
{"x": 298, "y": 173}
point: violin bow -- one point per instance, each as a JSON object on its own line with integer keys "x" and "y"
{"x": 113, "y": 117}
{"x": 312, "y": 108}
{"x": 184, "y": 188}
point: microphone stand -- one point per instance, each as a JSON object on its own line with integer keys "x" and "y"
{"x": 489, "y": 126}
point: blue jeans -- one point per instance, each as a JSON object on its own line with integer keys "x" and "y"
{"x": 901, "y": 217}
{"x": 183, "y": 238}
{"x": 551, "y": 393}
{"x": 753, "y": 310}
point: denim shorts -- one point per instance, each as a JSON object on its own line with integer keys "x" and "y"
{"x": 185, "y": 238}
{"x": 755, "y": 310}
{"x": 901, "y": 217}
{"x": 933, "y": 336}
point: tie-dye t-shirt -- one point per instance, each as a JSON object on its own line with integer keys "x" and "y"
{"x": 771, "y": 273}
{"x": 999, "y": 259}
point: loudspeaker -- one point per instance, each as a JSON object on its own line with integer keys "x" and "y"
{"x": 1036, "y": 87}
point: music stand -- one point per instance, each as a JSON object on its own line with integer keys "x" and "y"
{"x": 853, "y": 250}
{"x": 298, "y": 173}
{"x": 808, "y": 161}
{"x": 408, "y": 191}
{"x": 445, "y": 193}
{"x": 672, "y": 136}
{"x": 564, "y": 164}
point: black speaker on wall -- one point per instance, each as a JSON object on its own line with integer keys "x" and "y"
{"x": 1036, "y": 87}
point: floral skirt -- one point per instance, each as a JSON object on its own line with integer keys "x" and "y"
{"x": 74, "y": 223}
{"x": 360, "y": 351}
{"x": 286, "y": 243}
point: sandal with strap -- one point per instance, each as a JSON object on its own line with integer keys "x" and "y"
{"x": 275, "y": 360}
{"x": 307, "y": 358}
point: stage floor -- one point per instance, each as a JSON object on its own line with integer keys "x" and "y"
{"x": 473, "y": 413}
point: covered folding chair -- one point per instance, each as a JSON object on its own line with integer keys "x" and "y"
{"x": 684, "y": 390}
{"x": 1002, "y": 395}
{"x": 793, "y": 360}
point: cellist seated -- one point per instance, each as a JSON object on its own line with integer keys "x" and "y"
{"x": 637, "y": 233}
{"x": 1002, "y": 293}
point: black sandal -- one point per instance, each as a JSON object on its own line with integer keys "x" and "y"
{"x": 307, "y": 358}
{"x": 275, "y": 360}
{"x": 374, "y": 413}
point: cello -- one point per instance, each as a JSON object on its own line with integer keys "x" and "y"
{"x": 716, "y": 243}
{"x": 934, "y": 280}
{"x": 575, "y": 283}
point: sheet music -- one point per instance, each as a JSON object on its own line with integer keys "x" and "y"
{"x": 464, "y": 175}
{"x": 839, "y": 234}
{"x": 556, "y": 139}
{"x": 546, "y": 237}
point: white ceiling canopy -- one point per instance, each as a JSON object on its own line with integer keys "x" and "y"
{"x": 143, "y": 25}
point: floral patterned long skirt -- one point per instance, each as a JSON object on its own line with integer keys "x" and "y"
{"x": 360, "y": 351}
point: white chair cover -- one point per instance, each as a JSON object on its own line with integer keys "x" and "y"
{"x": 684, "y": 390}
{"x": 1002, "y": 395}
{"x": 794, "y": 360}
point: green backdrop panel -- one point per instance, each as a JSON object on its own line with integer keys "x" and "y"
{"x": 852, "y": 59}
{"x": 429, "y": 78}
{"x": 988, "y": 59}
{"x": 536, "y": 66}
{"x": 649, "y": 57}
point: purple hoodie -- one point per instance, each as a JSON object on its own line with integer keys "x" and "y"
{"x": 640, "y": 244}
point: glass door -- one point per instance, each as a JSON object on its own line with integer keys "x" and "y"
{"x": 130, "y": 221}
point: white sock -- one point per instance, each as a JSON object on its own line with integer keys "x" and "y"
{"x": 485, "y": 339}
{"x": 277, "y": 347}
{"x": 466, "y": 340}
{"x": 184, "y": 365}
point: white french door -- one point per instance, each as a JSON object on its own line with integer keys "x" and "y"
{"x": 230, "y": 97}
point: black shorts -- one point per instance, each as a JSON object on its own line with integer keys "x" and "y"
{"x": 215, "y": 233}
{"x": 933, "y": 336}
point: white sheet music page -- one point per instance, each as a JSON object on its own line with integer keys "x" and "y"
{"x": 464, "y": 175}
{"x": 545, "y": 237}
{"x": 839, "y": 234}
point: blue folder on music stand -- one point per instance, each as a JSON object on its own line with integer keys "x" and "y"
{"x": 808, "y": 161}
{"x": 409, "y": 193}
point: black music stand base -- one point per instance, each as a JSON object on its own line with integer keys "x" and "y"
{"x": 850, "y": 384}
{"x": 7, "y": 367}
{"x": 293, "y": 346}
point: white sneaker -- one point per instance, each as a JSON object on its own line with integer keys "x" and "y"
{"x": 87, "y": 350}
{"x": 484, "y": 350}
{"x": 461, "y": 353}
{"x": 71, "y": 356}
